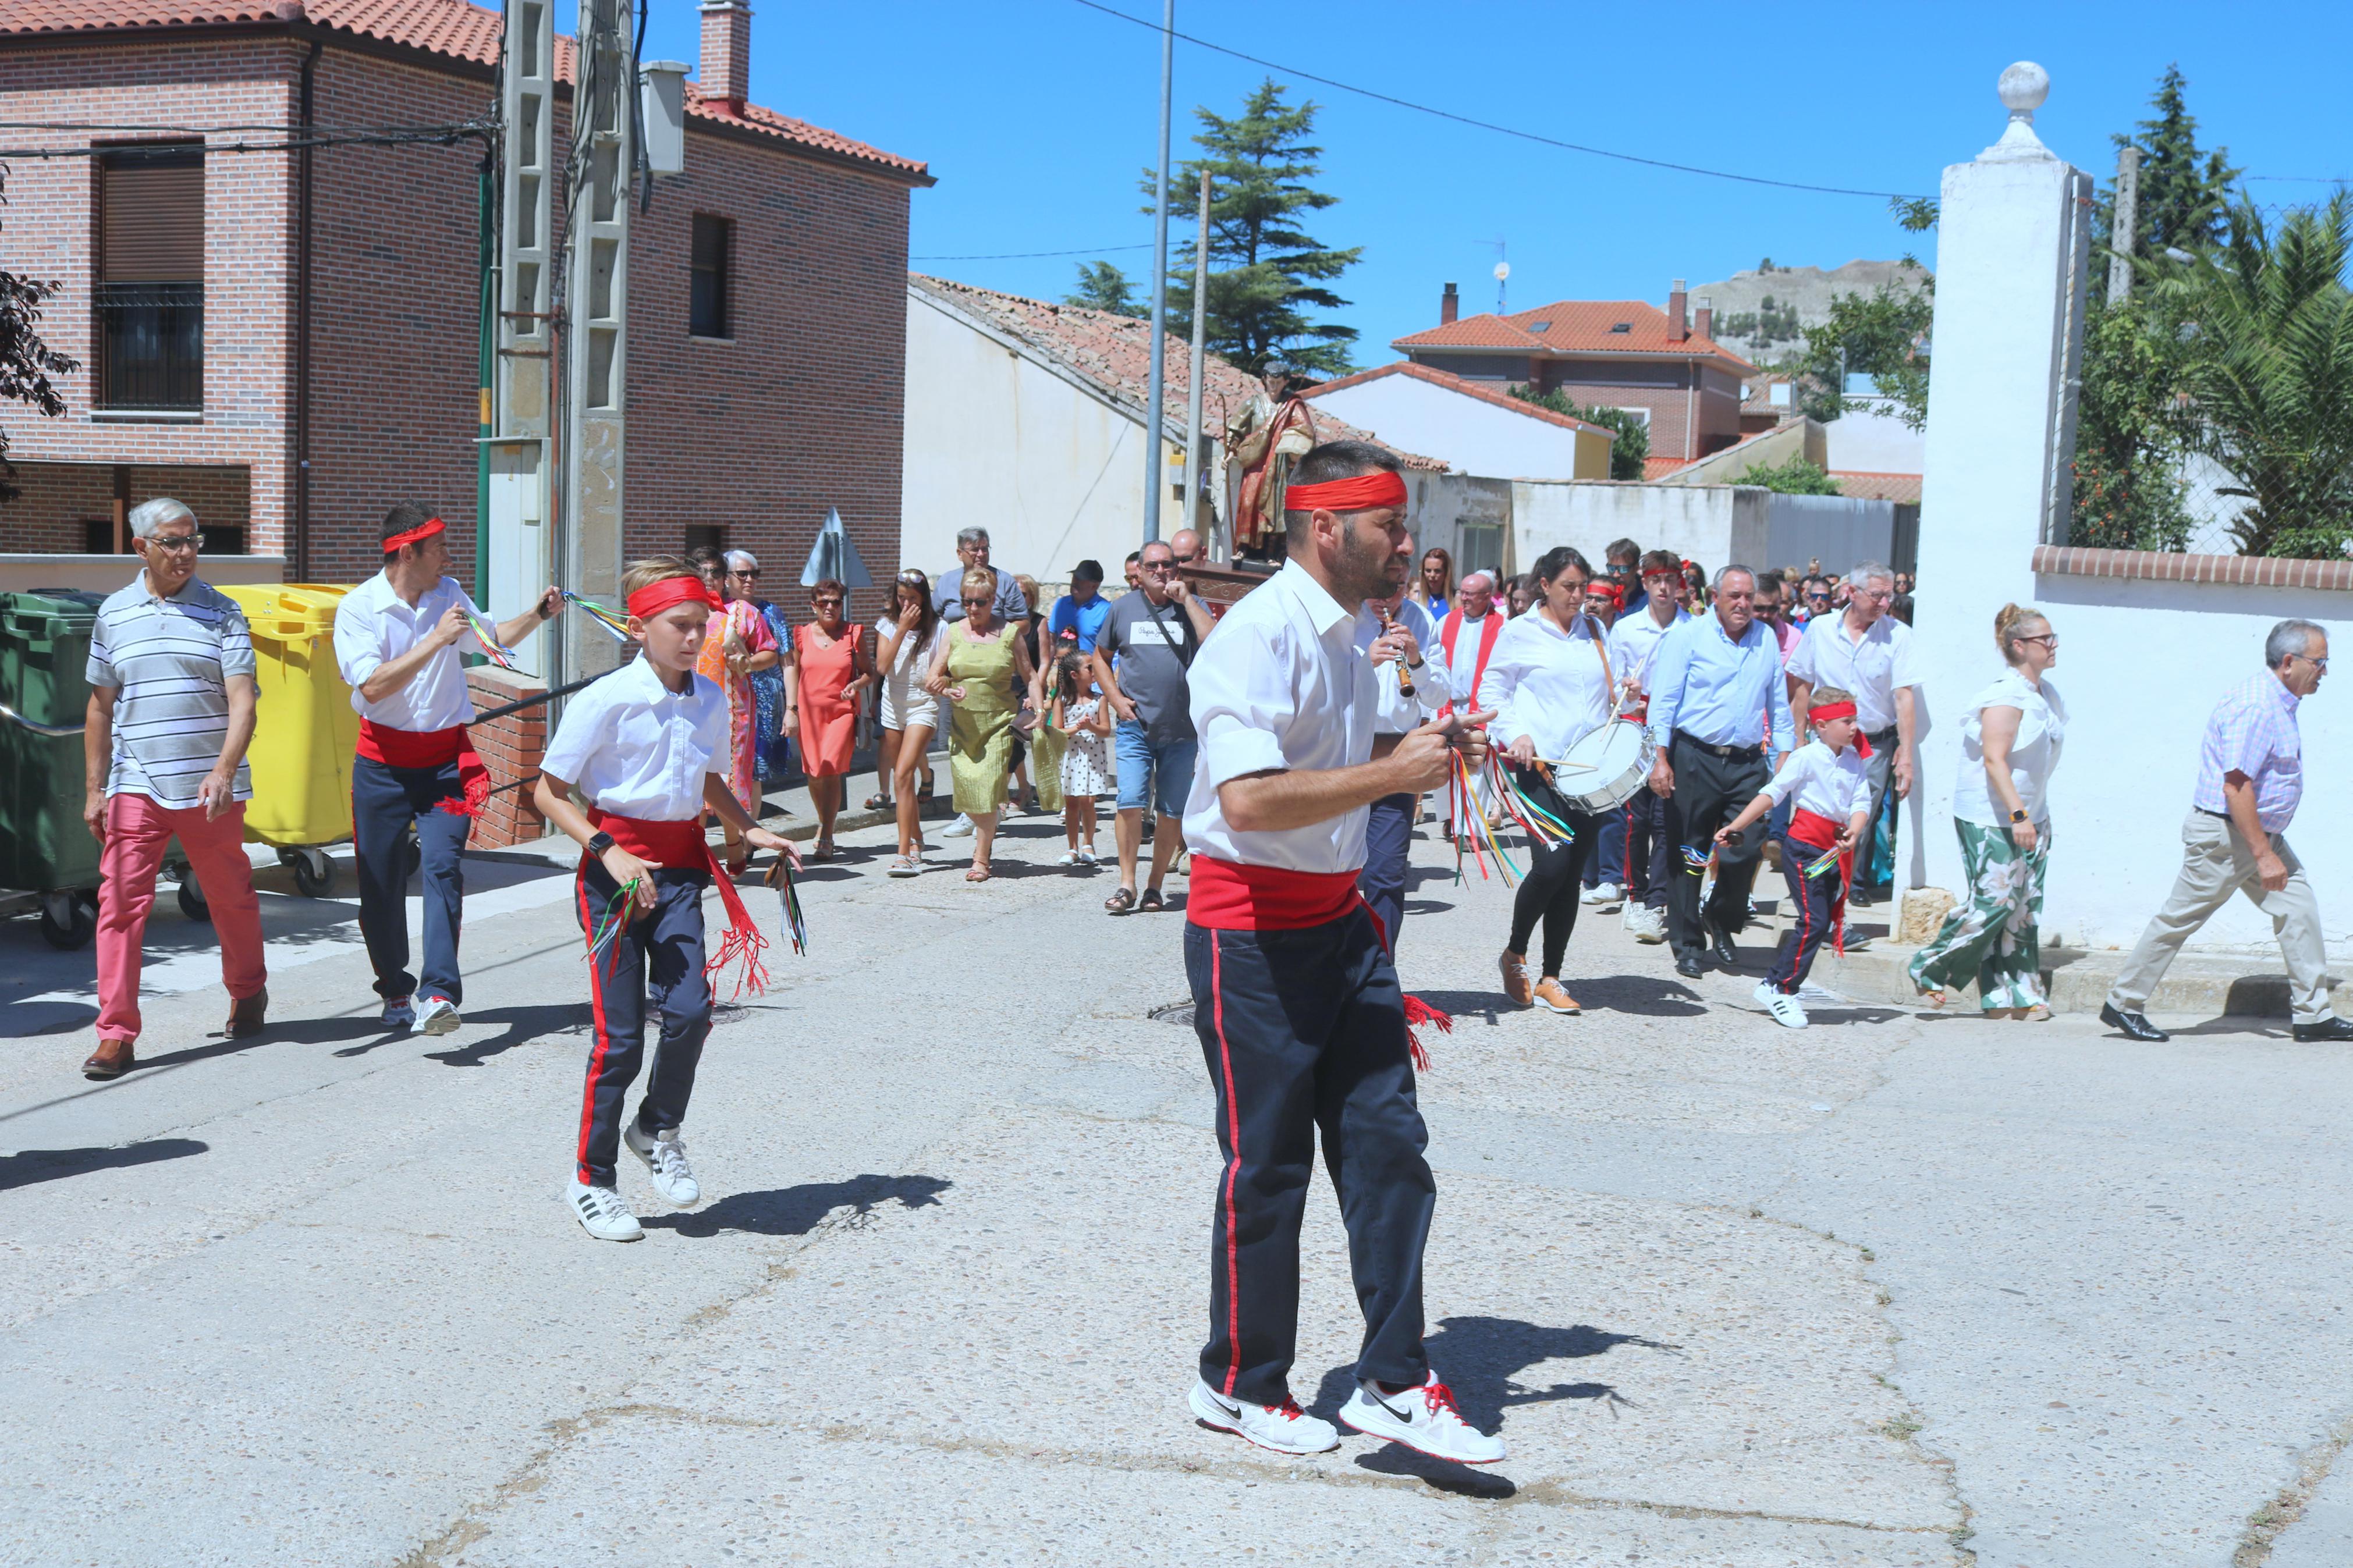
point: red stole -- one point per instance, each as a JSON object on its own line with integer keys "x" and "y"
{"x": 1491, "y": 628}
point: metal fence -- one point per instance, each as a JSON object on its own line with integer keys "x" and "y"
{"x": 151, "y": 344}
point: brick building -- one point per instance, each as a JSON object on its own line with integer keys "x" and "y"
{"x": 1619, "y": 353}
{"x": 767, "y": 306}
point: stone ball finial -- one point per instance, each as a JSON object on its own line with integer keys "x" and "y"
{"x": 2023, "y": 87}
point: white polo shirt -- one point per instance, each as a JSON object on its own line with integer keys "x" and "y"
{"x": 1280, "y": 686}
{"x": 373, "y": 626}
{"x": 1871, "y": 666}
{"x": 637, "y": 749}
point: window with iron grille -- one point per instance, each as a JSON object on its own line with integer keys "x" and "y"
{"x": 706, "y": 315}
{"x": 149, "y": 299}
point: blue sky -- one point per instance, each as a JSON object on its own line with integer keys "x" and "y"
{"x": 1036, "y": 115}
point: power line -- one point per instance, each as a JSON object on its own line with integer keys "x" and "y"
{"x": 1500, "y": 129}
{"x": 1026, "y": 254}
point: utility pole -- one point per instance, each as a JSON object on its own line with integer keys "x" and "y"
{"x": 518, "y": 557}
{"x": 1194, "y": 480}
{"x": 595, "y": 316}
{"x": 2124, "y": 230}
{"x": 1155, "y": 432}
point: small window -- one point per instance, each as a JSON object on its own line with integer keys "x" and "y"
{"x": 706, "y": 314}
{"x": 1622, "y": 327}
{"x": 149, "y": 299}
{"x": 699, "y": 534}
{"x": 1777, "y": 394}
{"x": 1540, "y": 326}
{"x": 1479, "y": 547}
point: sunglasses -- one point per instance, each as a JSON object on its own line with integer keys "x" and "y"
{"x": 821, "y": 604}
{"x": 984, "y": 599}
{"x": 176, "y": 543}
{"x": 751, "y": 577}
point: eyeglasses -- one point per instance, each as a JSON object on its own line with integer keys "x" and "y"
{"x": 189, "y": 541}
{"x": 1161, "y": 568}
{"x": 2051, "y": 639}
{"x": 1818, "y": 598}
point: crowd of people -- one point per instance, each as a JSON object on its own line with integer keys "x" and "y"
{"x": 1649, "y": 734}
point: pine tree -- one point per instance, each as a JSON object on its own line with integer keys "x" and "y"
{"x": 1266, "y": 271}
{"x": 1103, "y": 287}
{"x": 2185, "y": 192}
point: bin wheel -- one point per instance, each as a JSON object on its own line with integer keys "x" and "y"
{"x": 192, "y": 903}
{"x": 314, "y": 874}
{"x": 69, "y": 920}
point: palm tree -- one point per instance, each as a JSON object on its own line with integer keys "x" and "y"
{"x": 2270, "y": 372}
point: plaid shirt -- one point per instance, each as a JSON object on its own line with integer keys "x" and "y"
{"x": 2253, "y": 732}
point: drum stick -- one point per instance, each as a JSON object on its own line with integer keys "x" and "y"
{"x": 1569, "y": 767}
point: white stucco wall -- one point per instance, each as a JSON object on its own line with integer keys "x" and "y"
{"x": 1870, "y": 441}
{"x": 994, "y": 439}
{"x": 1472, "y": 437}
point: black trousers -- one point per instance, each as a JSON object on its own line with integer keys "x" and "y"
{"x": 1649, "y": 848}
{"x": 1389, "y": 834}
{"x": 1553, "y": 888}
{"x": 1811, "y": 899}
{"x": 657, "y": 957}
{"x": 1304, "y": 1030}
{"x": 1710, "y": 791}
{"x": 385, "y": 801}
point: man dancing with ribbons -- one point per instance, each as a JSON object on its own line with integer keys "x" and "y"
{"x": 397, "y": 638}
{"x": 648, "y": 748}
{"x": 1295, "y": 998}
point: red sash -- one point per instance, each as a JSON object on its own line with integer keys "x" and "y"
{"x": 1491, "y": 628}
{"x": 680, "y": 845}
{"x": 1817, "y": 832}
{"x": 430, "y": 749}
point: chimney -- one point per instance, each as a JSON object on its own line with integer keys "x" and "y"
{"x": 1450, "y": 304}
{"x": 1677, "y": 329}
{"x": 726, "y": 75}
{"x": 1705, "y": 326}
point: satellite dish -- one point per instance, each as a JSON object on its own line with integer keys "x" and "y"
{"x": 1502, "y": 271}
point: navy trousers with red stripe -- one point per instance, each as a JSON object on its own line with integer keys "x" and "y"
{"x": 1305, "y": 1030}
{"x": 658, "y": 956}
{"x": 1811, "y": 902}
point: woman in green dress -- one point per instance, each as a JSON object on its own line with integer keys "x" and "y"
{"x": 974, "y": 669}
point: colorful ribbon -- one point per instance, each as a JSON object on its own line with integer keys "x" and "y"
{"x": 617, "y": 624}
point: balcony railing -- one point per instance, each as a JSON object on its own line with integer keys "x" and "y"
{"x": 151, "y": 339}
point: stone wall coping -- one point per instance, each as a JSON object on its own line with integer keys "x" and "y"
{"x": 2165, "y": 566}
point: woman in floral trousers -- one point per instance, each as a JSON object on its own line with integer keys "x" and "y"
{"x": 2009, "y": 747}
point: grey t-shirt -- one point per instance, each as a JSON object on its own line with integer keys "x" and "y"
{"x": 1153, "y": 646}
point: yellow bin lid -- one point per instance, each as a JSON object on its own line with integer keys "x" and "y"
{"x": 287, "y": 611}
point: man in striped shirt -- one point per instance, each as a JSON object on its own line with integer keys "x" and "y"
{"x": 170, "y": 713}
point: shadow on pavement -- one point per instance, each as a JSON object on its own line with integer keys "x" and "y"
{"x": 1478, "y": 1358}
{"x": 29, "y": 1166}
{"x": 1440, "y": 1475}
{"x": 522, "y": 1025}
{"x": 1648, "y": 995}
{"x": 797, "y": 1211}
{"x": 21, "y": 1020}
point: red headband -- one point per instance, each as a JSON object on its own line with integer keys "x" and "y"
{"x": 1829, "y": 710}
{"x": 417, "y": 535}
{"x": 1609, "y": 591}
{"x": 1366, "y": 491}
{"x": 655, "y": 597}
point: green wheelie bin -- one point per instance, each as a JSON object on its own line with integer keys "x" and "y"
{"x": 45, "y": 849}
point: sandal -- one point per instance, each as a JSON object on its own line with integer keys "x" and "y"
{"x": 876, "y": 803}
{"x": 924, "y": 793}
{"x": 1150, "y": 901}
{"x": 979, "y": 872}
{"x": 1122, "y": 902}
{"x": 906, "y": 865}
{"x": 2038, "y": 1014}
{"x": 824, "y": 850}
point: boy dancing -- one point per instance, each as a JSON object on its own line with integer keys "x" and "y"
{"x": 645, "y": 747}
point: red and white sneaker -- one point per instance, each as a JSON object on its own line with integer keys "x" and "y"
{"x": 1284, "y": 1428}
{"x": 1424, "y": 1419}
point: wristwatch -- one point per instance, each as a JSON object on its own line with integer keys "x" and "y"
{"x": 600, "y": 842}
{"x": 2019, "y": 815}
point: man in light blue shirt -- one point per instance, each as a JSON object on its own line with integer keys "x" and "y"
{"x": 1719, "y": 714}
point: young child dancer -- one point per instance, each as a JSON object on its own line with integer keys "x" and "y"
{"x": 1832, "y": 785}
{"x": 646, "y": 747}
{"x": 1081, "y": 713}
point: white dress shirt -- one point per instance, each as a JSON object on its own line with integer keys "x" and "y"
{"x": 1279, "y": 685}
{"x": 1836, "y": 785}
{"x": 373, "y": 626}
{"x": 1432, "y": 687}
{"x": 1548, "y": 684}
{"x": 1871, "y": 666}
{"x": 1635, "y": 642}
{"x": 637, "y": 749}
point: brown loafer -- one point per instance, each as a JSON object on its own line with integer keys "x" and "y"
{"x": 244, "y": 1014}
{"x": 111, "y": 1060}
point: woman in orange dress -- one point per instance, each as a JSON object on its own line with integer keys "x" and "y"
{"x": 834, "y": 675}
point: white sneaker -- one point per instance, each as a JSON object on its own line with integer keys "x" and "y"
{"x": 1604, "y": 893}
{"x": 400, "y": 1013}
{"x": 1784, "y": 1007}
{"x": 438, "y": 1015}
{"x": 1424, "y": 1419}
{"x": 1653, "y": 929}
{"x": 960, "y": 828}
{"x": 602, "y": 1214}
{"x": 665, "y": 1158}
{"x": 1283, "y": 1428}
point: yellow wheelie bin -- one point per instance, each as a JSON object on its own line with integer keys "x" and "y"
{"x": 305, "y": 735}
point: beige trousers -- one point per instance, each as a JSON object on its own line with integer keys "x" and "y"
{"x": 2216, "y": 862}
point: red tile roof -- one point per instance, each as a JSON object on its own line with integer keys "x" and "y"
{"x": 1877, "y": 487}
{"x": 1573, "y": 327}
{"x": 455, "y": 29}
{"x": 1659, "y": 467}
{"x": 1468, "y": 388}
{"x": 1114, "y": 354}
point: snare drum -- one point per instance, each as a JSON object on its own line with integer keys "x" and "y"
{"x": 1604, "y": 768}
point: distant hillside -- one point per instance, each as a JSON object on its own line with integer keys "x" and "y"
{"x": 1762, "y": 314}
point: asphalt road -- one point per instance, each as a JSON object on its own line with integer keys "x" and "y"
{"x": 1895, "y": 1289}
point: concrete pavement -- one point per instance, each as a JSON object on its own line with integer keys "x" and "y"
{"x": 1895, "y": 1289}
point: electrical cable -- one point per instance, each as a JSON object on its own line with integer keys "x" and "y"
{"x": 1500, "y": 129}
